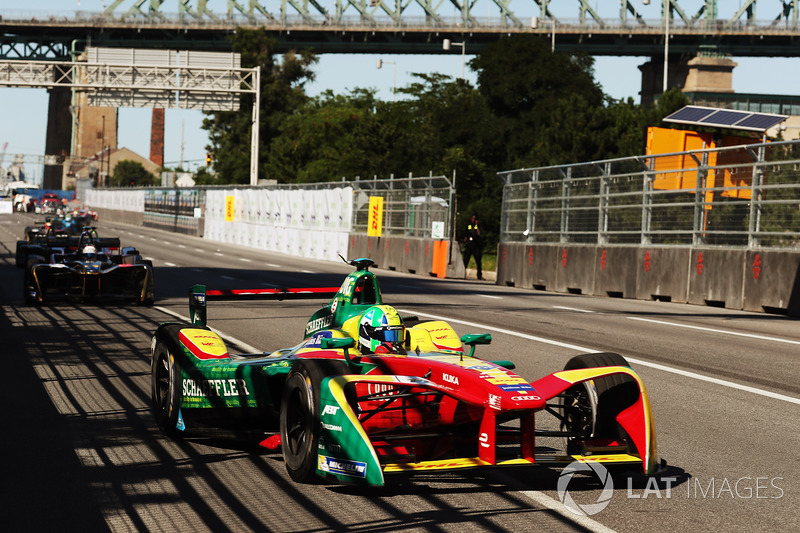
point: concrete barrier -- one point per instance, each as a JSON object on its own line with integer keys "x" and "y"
{"x": 135, "y": 218}
{"x": 772, "y": 282}
{"x": 542, "y": 263}
{"x": 615, "y": 271}
{"x": 662, "y": 274}
{"x": 575, "y": 271}
{"x": 715, "y": 277}
{"x": 455, "y": 264}
{"x": 393, "y": 253}
{"x": 510, "y": 266}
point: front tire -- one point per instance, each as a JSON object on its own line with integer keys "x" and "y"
{"x": 299, "y": 418}
{"x": 590, "y": 408}
{"x": 165, "y": 389}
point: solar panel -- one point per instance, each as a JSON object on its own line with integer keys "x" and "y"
{"x": 690, "y": 114}
{"x": 760, "y": 122}
{"x": 725, "y": 118}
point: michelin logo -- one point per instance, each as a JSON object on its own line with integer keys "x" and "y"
{"x": 342, "y": 466}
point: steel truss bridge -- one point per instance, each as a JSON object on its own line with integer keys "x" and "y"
{"x": 405, "y": 26}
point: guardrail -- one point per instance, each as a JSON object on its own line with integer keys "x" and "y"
{"x": 740, "y": 196}
{"x": 714, "y": 227}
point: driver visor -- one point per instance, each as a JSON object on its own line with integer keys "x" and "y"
{"x": 390, "y": 334}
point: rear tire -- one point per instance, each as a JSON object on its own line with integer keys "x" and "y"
{"x": 149, "y": 284}
{"x": 29, "y": 287}
{"x": 299, "y": 417}
{"x": 21, "y": 256}
{"x": 165, "y": 375}
{"x": 591, "y": 408}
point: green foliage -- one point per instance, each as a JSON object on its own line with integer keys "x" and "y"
{"x": 204, "y": 177}
{"x": 281, "y": 94}
{"x": 129, "y": 173}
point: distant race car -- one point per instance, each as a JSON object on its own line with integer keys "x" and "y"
{"x": 95, "y": 268}
{"x": 366, "y": 394}
{"x": 44, "y": 237}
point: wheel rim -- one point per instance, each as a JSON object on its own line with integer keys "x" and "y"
{"x": 163, "y": 384}
{"x": 578, "y": 412}
{"x": 296, "y": 421}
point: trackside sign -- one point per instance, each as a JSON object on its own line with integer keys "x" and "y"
{"x": 375, "y": 216}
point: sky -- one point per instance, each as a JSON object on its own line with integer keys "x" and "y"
{"x": 23, "y": 112}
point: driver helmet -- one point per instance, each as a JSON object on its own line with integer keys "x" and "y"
{"x": 89, "y": 251}
{"x": 381, "y": 330}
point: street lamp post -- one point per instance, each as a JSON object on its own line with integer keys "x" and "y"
{"x": 380, "y": 63}
{"x": 535, "y": 25}
{"x": 446, "y": 46}
{"x": 666, "y": 43}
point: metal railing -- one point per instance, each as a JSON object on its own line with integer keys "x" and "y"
{"x": 410, "y": 205}
{"x": 745, "y": 196}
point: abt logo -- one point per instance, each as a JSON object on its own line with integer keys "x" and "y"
{"x": 330, "y": 410}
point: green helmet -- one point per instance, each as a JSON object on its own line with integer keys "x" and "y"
{"x": 381, "y": 327}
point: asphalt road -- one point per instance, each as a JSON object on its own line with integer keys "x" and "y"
{"x": 81, "y": 451}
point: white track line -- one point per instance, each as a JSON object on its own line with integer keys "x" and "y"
{"x": 572, "y": 309}
{"x": 712, "y": 330}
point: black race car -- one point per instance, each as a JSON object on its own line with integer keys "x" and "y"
{"x": 44, "y": 238}
{"x": 96, "y": 268}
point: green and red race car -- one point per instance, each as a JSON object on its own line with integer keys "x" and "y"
{"x": 368, "y": 393}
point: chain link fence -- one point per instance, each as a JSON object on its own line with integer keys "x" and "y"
{"x": 741, "y": 196}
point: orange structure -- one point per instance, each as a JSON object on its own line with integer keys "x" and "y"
{"x": 679, "y": 171}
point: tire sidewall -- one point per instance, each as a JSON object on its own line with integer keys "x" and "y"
{"x": 301, "y": 463}
{"x": 166, "y": 415}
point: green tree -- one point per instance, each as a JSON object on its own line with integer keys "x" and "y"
{"x": 282, "y": 94}
{"x": 534, "y": 92}
{"x": 331, "y": 137}
{"x": 129, "y": 173}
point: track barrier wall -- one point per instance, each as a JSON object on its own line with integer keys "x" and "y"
{"x": 716, "y": 277}
{"x": 757, "y": 280}
{"x": 314, "y": 224}
{"x": 425, "y": 257}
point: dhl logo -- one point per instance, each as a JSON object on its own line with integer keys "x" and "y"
{"x": 468, "y": 462}
{"x": 203, "y": 344}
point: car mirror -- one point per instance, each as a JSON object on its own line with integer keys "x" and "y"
{"x": 329, "y": 343}
{"x": 473, "y": 339}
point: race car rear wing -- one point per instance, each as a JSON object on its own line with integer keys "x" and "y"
{"x": 199, "y": 295}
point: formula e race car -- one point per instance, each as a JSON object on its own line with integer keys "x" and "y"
{"x": 367, "y": 394}
{"x": 90, "y": 268}
{"x": 40, "y": 239}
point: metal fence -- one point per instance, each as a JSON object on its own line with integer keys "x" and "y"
{"x": 410, "y": 205}
{"x": 745, "y": 196}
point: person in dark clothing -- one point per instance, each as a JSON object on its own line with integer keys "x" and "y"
{"x": 473, "y": 245}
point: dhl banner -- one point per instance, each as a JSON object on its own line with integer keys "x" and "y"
{"x": 375, "y": 216}
{"x": 229, "y": 209}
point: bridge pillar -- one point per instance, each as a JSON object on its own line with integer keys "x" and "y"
{"x": 95, "y": 137}
{"x": 710, "y": 75}
{"x": 653, "y": 77}
{"x": 57, "y": 138}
